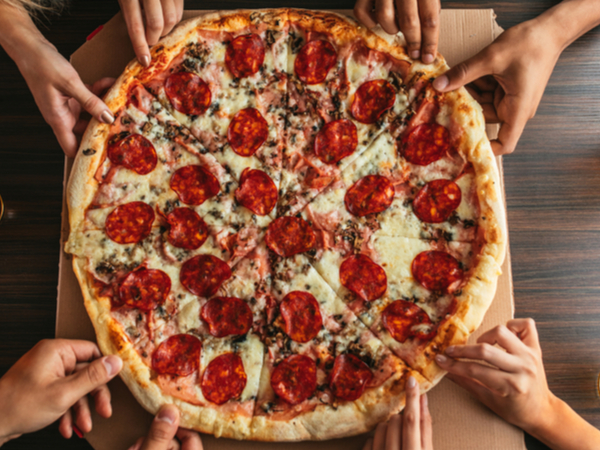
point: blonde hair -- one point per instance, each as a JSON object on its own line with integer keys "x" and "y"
{"x": 39, "y": 6}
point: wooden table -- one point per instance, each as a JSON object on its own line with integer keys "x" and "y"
{"x": 552, "y": 187}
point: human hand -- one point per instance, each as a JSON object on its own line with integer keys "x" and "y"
{"x": 515, "y": 387}
{"x": 411, "y": 430}
{"x": 163, "y": 430}
{"x": 419, "y": 21}
{"x": 160, "y": 17}
{"x": 53, "y": 377}
{"x": 60, "y": 94}
{"x": 508, "y": 78}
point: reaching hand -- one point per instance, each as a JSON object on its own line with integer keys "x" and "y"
{"x": 52, "y": 380}
{"x": 411, "y": 430}
{"x": 515, "y": 387}
{"x": 160, "y": 17}
{"x": 509, "y": 77}
{"x": 419, "y": 21}
{"x": 163, "y": 430}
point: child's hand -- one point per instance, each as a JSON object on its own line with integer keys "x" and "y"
{"x": 515, "y": 387}
{"x": 419, "y": 21}
{"x": 410, "y": 430}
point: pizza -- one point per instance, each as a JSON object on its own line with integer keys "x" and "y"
{"x": 283, "y": 224}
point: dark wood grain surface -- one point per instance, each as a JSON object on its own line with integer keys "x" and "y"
{"x": 552, "y": 189}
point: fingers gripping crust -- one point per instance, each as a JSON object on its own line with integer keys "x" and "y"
{"x": 325, "y": 421}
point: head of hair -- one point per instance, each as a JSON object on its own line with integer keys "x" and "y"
{"x": 39, "y": 6}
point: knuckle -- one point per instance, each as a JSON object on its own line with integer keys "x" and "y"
{"x": 385, "y": 14}
{"x": 471, "y": 370}
{"x": 483, "y": 351}
{"x": 409, "y": 22}
{"x": 137, "y": 28}
{"x": 160, "y": 432}
{"x": 410, "y": 418}
{"x": 170, "y": 20}
{"x": 155, "y": 23}
{"x": 529, "y": 322}
{"x": 95, "y": 374}
{"x": 461, "y": 71}
{"x": 430, "y": 21}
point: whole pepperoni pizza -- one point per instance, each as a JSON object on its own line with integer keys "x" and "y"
{"x": 284, "y": 222}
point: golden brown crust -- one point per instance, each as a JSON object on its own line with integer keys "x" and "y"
{"x": 325, "y": 421}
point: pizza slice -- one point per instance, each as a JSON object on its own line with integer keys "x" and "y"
{"x": 225, "y": 82}
{"x": 342, "y": 93}
{"x": 201, "y": 210}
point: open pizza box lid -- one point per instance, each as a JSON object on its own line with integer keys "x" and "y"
{"x": 460, "y": 422}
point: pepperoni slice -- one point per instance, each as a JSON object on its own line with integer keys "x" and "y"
{"x": 362, "y": 276}
{"x": 302, "y": 316}
{"x": 349, "y": 377}
{"x": 257, "y": 192}
{"x": 336, "y": 140}
{"x": 245, "y": 54}
{"x": 288, "y": 236}
{"x": 226, "y": 316}
{"x": 224, "y": 378}
{"x": 369, "y": 195}
{"x": 247, "y": 131}
{"x": 371, "y": 100}
{"x": 187, "y": 229}
{"x": 405, "y": 320}
{"x": 129, "y": 223}
{"x": 134, "y": 152}
{"x": 425, "y": 143}
{"x": 295, "y": 379}
{"x": 194, "y": 184}
{"x": 437, "y": 200}
{"x": 188, "y": 93}
{"x": 314, "y": 61}
{"x": 203, "y": 275}
{"x": 179, "y": 355}
{"x": 145, "y": 289}
{"x": 436, "y": 270}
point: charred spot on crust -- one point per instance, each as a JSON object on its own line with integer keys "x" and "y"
{"x": 89, "y": 152}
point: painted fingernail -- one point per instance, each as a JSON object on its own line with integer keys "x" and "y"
{"x": 441, "y": 359}
{"x": 107, "y": 117}
{"x": 440, "y": 82}
{"x": 145, "y": 60}
{"x": 428, "y": 58}
{"x": 412, "y": 382}
{"x": 77, "y": 431}
{"x": 112, "y": 364}
{"x": 450, "y": 350}
{"x": 167, "y": 415}
{"x": 415, "y": 54}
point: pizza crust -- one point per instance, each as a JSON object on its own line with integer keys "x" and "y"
{"x": 324, "y": 421}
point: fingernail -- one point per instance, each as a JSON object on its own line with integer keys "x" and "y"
{"x": 440, "y": 82}
{"x": 145, "y": 60}
{"x": 415, "y": 54}
{"x": 77, "y": 431}
{"x": 167, "y": 415}
{"x": 428, "y": 58}
{"x": 412, "y": 382}
{"x": 441, "y": 359}
{"x": 112, "y": 364}
{"x": 107, "y": 117}
{"x": 450, "y": 350}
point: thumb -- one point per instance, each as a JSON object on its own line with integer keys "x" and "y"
{"x": 92, "y": 376}
{"x": 90, "y": 102}
{"x": 465, "y": 72}
{"x": 163, "y": 429}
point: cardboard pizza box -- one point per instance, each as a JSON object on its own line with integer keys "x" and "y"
{"x": 460, "y": 422}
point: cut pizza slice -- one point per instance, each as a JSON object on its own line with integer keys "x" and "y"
{"x": 342, "y": 93}
{"x": 228, "y": 87}
{"x": 417, "y": 296}
{"x": 202, "y": 210}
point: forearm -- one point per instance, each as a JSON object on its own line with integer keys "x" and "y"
{"x": 571, "y": 19}
{"x": 563, "y": 429}
{"x": 17, "y": 31}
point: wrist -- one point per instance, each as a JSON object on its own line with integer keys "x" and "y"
{"x": 546, "y": 417}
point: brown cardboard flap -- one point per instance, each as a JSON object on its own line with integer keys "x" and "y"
{"x": 460, "y": 422}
